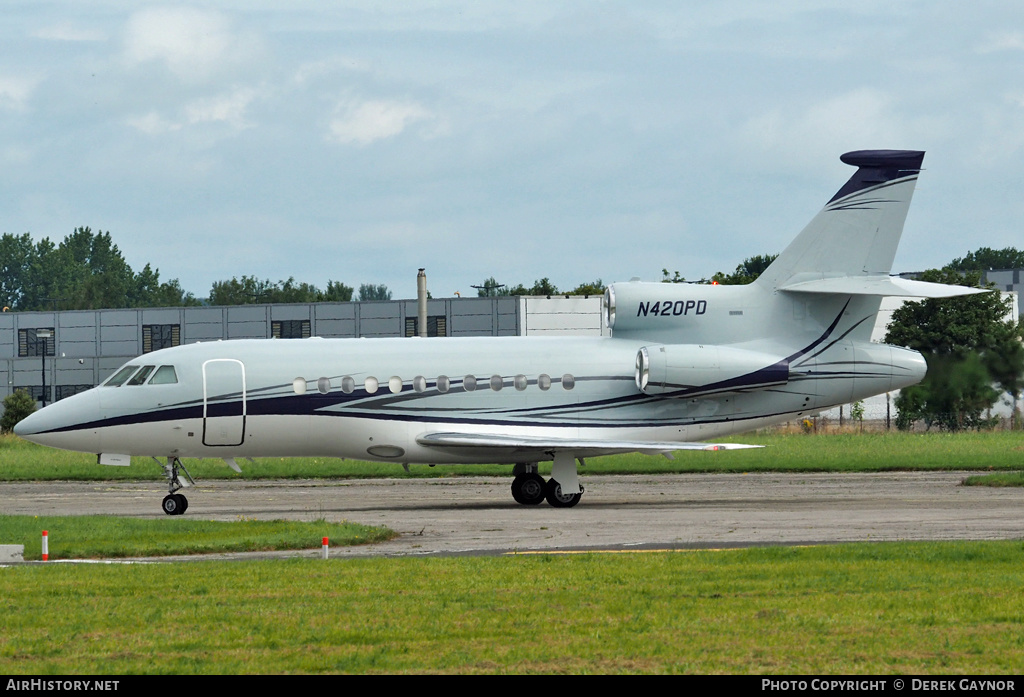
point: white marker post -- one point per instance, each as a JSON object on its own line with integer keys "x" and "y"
{"x": 46, "y": 545}
{"x": 324, "y": 553}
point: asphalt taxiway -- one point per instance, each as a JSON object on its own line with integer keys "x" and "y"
{"x": 476, "y": 515}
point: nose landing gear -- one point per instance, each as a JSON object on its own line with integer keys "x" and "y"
{"x": 175, "y": 503}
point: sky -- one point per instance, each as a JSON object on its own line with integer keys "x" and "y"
{"x": 575, "y": 141}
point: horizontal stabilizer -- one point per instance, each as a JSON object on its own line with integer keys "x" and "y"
{"x": 543, "y": 446}
{"x": 878, "y": 285}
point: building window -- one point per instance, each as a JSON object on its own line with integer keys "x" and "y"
{"x": 68, "y": 390}
{"x": 160, "y": 336}
{"x": 290, "y": 329}
{"x": 35, "y": 391}
{"x": 437, "y": 325}
{"x": 30, "y": 345}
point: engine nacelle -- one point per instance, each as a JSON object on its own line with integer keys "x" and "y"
{"x": 634, "y": 306}
{"x": 684, "y": 370}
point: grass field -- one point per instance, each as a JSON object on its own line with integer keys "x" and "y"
{"x": 110, "y": 537}
{"x": 881, "y": 609}
{"x": 875, "y": 609}
{"x": 988, "y": 451}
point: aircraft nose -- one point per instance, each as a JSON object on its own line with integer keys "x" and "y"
{"x": 64, "y": 424}
{"x": 28, "y": 426}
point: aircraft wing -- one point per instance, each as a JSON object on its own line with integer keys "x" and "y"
{"x": 542, "y": 447}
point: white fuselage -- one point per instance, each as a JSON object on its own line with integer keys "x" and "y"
{"x": 316, "y": 397}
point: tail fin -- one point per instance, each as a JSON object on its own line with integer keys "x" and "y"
{"x": 855, "y": 236}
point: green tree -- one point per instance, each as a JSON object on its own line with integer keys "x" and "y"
{"x": 595, "y": 287}
{"x": 249, "y": 290}
{"x": 746, "y": 272}
{"x": 85, "y": 271}
{"x": 675, "y": 277}
{"x": 369, "y": 291}
{"x": 17, "y": 406}
{"x": 16, "y": 256}
{"x": 490, "y": 289}
{"x": 338, "y": 292}
{"x": 970, "y": 347}
{"x": 986, "y": 259}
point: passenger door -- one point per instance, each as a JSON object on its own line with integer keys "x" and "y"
{"x": 223, "y": 402}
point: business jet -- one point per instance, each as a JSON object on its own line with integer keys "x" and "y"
{"x": 685, "y": 363}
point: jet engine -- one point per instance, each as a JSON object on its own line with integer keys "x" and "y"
{"x": 683, "y": 370}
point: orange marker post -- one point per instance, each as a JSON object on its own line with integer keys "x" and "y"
{"x": 324, "y": 553}
{"x": 46, "y": 545}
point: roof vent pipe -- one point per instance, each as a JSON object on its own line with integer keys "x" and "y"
{"x": 421, "y": 301}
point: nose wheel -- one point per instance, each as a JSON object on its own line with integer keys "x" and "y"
{"x": 175, "y": 504}
{"x": 177, "y": 478}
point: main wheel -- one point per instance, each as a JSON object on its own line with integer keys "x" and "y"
{"x": 556, "y": 498}
{"x": 528, "y": 489}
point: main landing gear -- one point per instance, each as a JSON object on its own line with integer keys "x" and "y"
{"x": 175, "y": 503}
{"x": 529, "y": 487}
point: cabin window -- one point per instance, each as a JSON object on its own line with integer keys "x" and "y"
{"x": 419, "y": 383}
{"x": 395, "y": 384}
{"x": 30, "y": 344}
{"x": 568, "y": 382}
{"x": 443, "y": 383}
{"x": 520, "y": 382}
{"x": 544, "y": 381}
{"x": 348, "y": 384}
{"x": 299, "y": 385}
{"x": 469, "y": 383}
{"x": 118, "y": 378}
{"x": 371, "y": 385}
{"x": 140, "y": 377}
{"x": 158, "y": 336}
{"x": 164, "y": 375}
{"x": 323, "y": 385}
{"x": 497, "y": 383}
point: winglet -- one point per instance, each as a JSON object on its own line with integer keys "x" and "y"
{"x": 877, "y": 167}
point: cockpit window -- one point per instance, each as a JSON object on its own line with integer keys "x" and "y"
{"x": 140, "y": 377}
{"x": 164, "y": 375}
{"x": 118, "y": 378}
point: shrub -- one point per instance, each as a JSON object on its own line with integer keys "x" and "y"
{"x": 17, "y": 406}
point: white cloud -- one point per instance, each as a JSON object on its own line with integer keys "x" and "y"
{"x": 194, "y": 44}
{"x": 66, "y": 31}
{"x": 15, "y": 91}
{"x": 366, "y": 122}
{"x": 1003, "y": 41}
{"x": 153, "y": 124}
{"x": 228, "y": 108}
{"x": 863, "y": 118}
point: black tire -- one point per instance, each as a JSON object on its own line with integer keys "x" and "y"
{"x": 184, "y": 503}
{"x": 556, "y": 498}
{"x": 172, "y": 505}
{"x": 529, "y": 489}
